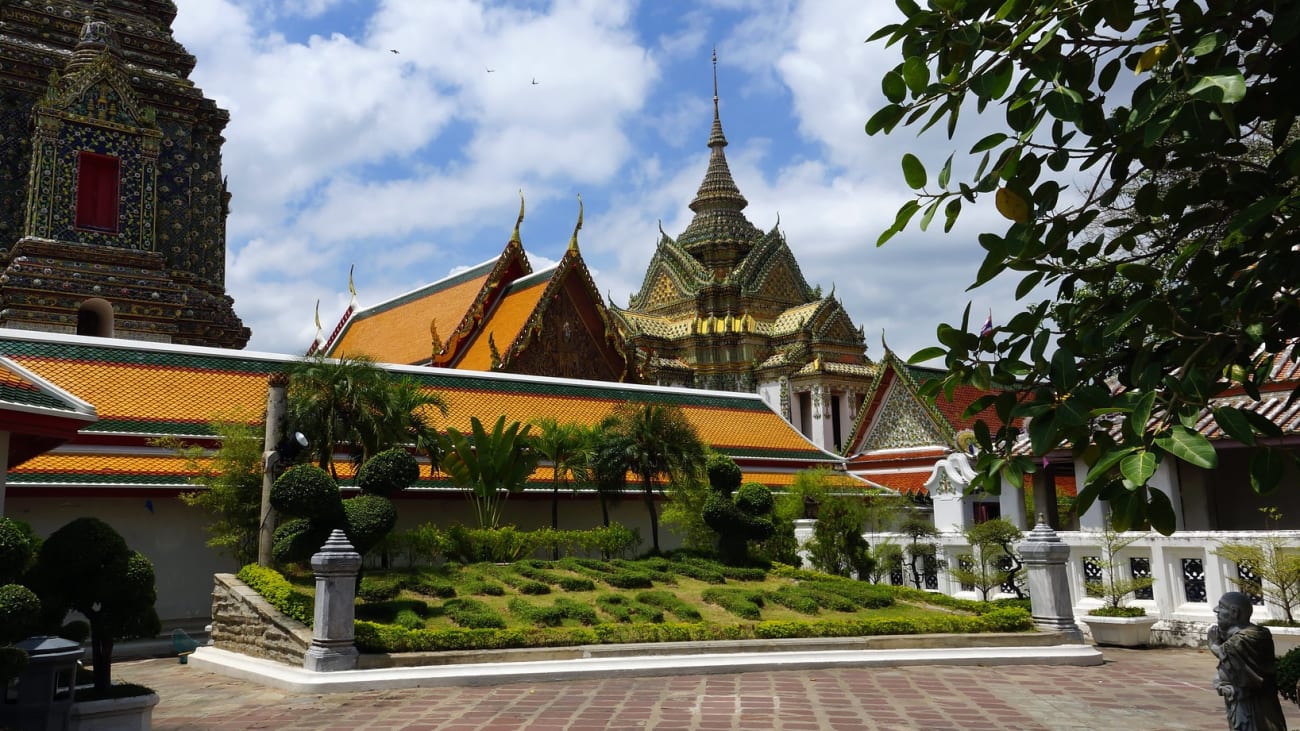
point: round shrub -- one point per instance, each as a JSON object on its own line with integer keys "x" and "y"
{"x": 1288, "y": 674}
{"x": 388, "y": 472}
{"x": 15, "y": 550}
{"x": 367, "y": 519}
{"x": 409, "y": 619}
{"x": 305, "y": 491}
{"x": 724, "y": 473}
{"x": 19, "y": 610}
{"x": 12, "y": 663}
{"x": 754, "y": 498}
{"x": 297, "y": 540}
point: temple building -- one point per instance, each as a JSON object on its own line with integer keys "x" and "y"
{"x": 497, "y": 316}
{"x": 112, "y": 202}
{"x": 724, "y": 306}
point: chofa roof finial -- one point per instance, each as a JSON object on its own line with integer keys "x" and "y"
{"x": 514, "y": 237}
{"x": 573, "y": 240}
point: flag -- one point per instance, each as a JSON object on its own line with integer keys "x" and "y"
{"x": 988, "y": 325}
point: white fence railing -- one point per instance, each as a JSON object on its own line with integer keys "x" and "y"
{"x": 1189, "y": 576}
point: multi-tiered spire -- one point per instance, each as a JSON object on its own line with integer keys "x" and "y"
{"x": 719, "y": 235}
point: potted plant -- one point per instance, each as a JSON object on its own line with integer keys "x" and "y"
{"x": 86, "y": 567}
{"x": 1114, "y": 622}
{"x": 1275, "y": 576}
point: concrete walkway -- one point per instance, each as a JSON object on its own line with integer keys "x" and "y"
{"x": 1134, "y": 689}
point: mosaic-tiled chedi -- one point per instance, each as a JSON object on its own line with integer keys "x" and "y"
{"x": 112, "y": 203}
{"x": 725, "y": 306}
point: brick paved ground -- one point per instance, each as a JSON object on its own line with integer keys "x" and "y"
{"x": 1135, "y": 690}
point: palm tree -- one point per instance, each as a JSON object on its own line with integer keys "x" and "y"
{"x": 562, "y": 446}
{"x": 490, "y": 465}
{"x": 353, "y": 402}
{"x": 650, "y": 441}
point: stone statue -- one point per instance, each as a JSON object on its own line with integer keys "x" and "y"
{"x": 1247, "y": 674}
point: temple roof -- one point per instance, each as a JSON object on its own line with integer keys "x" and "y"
{"x": 397, "y": 331}
{"x": 503, "y": 325}
{"x": 142, "y": 391}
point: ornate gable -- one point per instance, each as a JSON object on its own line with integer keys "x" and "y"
{"x": 672, "y": 277}
{"x": 902, "y": 421}
{"x": 511, "y": 266}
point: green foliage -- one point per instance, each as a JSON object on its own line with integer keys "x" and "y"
{"x": 296, "y": 539}
{"x": 740, "y": 518}
{"x": 652, "y": 441}
{"x": 837, "y": 545}
{"x": 625, "y": 609}
{"x": 1115, "y": 586}
{"x": 992, "y": 543}
{"x": 473, "y": 614}
{"x": 723, "y": 473}
{"x": 16, "y": 550}
{"x": 1192, "y": 169}
{"x": 20, "y": 611}
{"x": 1276, "y": 568}
{"x": 389, "y": 610}
{"x": 565, "y": 447}
{"x": 388, "y": 473}
{"x": 278, "y": 592}
{"x": 86, "y": 566}
{"x": 377, "y": 588}
{"x": 306, "y": 491}
{"x": 352, "y": 402}
{"x": 12, "y": 663}
{"x": 1288, "y": 675}
{"x": 231, "y": 479}
{"x": 367, "y": 519}
{"x": 671, "y": 603}
{"x": 489, "y": 466}
{"x": 744, "y": 603}
{"x": 684, "y": 514}
{"x": 408, "y": 619}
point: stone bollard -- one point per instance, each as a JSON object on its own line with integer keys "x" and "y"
{"x": 333, "y": 634}
{"x": 1044, "y": 556}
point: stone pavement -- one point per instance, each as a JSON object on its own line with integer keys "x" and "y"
{"x": 1135, "y": 690}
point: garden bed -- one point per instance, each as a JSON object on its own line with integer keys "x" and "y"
{"x": 576, "y": 602}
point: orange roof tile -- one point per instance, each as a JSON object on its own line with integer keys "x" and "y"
{"x": 505, "y": 321}
{"x": 397, "y": 331}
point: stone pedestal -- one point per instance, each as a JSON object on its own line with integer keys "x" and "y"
{"x": 1044, "y": 556}
{"x": 332, "y": 639}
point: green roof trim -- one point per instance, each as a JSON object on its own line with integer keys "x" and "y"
{"x": 126, "y": 356}
{"x": 30, "y": 395}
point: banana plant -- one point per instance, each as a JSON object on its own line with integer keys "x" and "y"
{"x": 489, "y": 466}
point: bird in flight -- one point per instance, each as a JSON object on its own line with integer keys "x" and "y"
{"x": 489, "y": 70}
{"x": 534, "y": 81}
{"x": 392, "y": 50}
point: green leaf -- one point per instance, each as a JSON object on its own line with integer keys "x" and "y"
{"x": 925, "y": 354}
{"x": 885, "y": 119}
{"x": 1106, "y": 462}
{"x": 988, "y": 143}
{"x": 1142, "y": 412}
{"x": 1138, "y": 467}
{"x": 946, "y": 173}
{"x": 916, "y": 73}
{"x": 1027, "y": 284}
{"x": 1208, "y": 44}
{"x": 1234, "y": 423}
{"x": 914, "y": 172}
{"x": 893, "y": 86}
{"x": 1189, "y": 446}
{"x": 1267, "y": 466}
{"x": 1226, "y": 86}
{"x": 1140, "y": 273}
{"x": 1160, "y": 513}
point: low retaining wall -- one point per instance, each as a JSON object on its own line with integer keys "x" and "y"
{"x": 243, "y": 622}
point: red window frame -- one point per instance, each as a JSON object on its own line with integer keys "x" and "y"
{"x": 98, "y": 192}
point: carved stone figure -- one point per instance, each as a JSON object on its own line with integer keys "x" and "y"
{"x": 1247, "y": 674}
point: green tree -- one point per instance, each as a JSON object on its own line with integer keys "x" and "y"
{"x": 563, "y": 445}
{"x": 232, "y": 486}
{"x": 1205, "y": 246}
{"x": 919, "y": 529}
{"x": 352, "y": 402}
{"x": 651, "y": 441}
{"x": 993, "y": 562}
{"x": 86, "y": 566}
{"x": 490, "y": 466}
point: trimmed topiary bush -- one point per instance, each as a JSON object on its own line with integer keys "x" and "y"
{"x": 16, "y": 550}
{"x": 738, "y": 519}
{"x": 278, "y": 592}
{"x": 367, "y": 519}
{"x": 755, "y": 499}
{"x": 1288, "y": 674}
{"x": 296, "y": 539}
{"x": 306, "y": 491}
{"x": 20, "y": 611}
{"x": 86, "y": 566}
{"x": 388, "y": 473}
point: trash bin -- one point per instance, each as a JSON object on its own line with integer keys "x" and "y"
{"x": 42, "y": 696}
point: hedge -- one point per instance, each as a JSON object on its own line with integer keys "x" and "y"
{"x": 278, "y": 592}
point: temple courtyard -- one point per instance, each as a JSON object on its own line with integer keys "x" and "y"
{"x": 1134, "y": 690}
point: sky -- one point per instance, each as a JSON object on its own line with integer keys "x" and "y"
{"x": 392, "y": 137}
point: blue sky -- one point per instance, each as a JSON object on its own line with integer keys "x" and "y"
{"x": 407, "y": 165}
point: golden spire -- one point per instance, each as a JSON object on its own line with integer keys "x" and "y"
{"x": 573, "y": 240}
{"x": 352, "y": 289}
{"x": 434, "y": 340}
{"x": 514, "y": 237}
{"x": 320, "y": 334}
